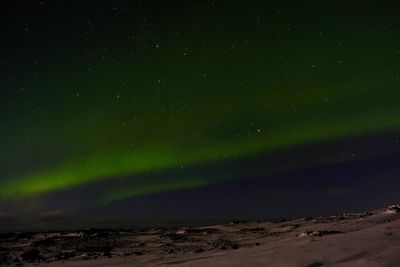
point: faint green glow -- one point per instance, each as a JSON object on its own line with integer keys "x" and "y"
{"x": 123, "y": 163}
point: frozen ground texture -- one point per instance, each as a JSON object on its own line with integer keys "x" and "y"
{"x": 368, "y": 239}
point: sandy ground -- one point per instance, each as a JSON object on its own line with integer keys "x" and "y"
{"x": 357, "y": 240}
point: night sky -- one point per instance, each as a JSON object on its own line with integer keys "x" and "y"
{"x": 159, "y": 112}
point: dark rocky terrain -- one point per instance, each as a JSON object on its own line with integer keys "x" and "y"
{"x": 356, "y": 239}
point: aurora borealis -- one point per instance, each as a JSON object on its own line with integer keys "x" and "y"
{"x": 108, "y": 102}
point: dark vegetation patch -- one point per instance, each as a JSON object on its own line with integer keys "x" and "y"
{"x": 315, "y": 264}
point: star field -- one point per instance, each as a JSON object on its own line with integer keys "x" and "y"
{"x": 128, "y": 99}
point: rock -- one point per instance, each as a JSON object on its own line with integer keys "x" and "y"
{"x": 7, "y": 236}
{"x": 199, "y": 250}
{"x": 170, "y": 248}
{"x": 318, "y": 233}
{"x": 181, "y": 232}
{"x": 201, "y": 230}
{"x": 179, "y": 238}
{"x": 330, "y": 232}
{"x": 25, "y": 236}
{"x": 225, "y": 244}
{"x": 98, "y": 232}
{"x": 4, "y": 258}
{"x": 393, "y": 209}
{"x": 256, "y": 229}
{"x": 31, "y": 255}
{"x": 235, "y": 246}
{"x": 107, "y": 254}
{"x": 83, "y": 256}
{"x": 237, "y": 222}
{"x": 44, "y": 243}
{"x": 308, "y": 233}
{"x": 279, "y": 220}
{"x": 140, "y": 244}
{"x": 65, "y": 255}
